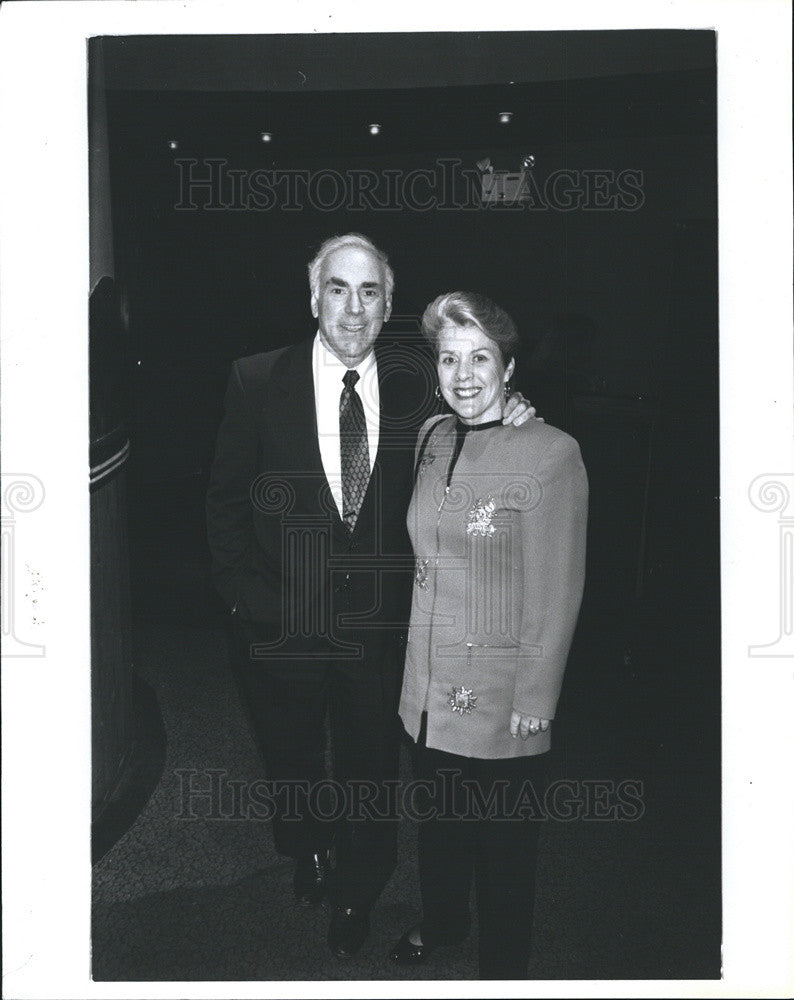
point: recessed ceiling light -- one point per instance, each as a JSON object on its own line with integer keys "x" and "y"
{"x": 266, "y": 136}
{"x": 374, "y": 129}
{"x": 505, "y": 117}
{"x": 173, "y": 144}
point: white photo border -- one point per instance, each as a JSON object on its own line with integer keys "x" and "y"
{"x": 43, "y": 350}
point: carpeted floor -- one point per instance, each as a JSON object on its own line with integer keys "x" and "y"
{"x": 203, "y": 898}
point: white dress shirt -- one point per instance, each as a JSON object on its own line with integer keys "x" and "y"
{"x": 327, "y": 373}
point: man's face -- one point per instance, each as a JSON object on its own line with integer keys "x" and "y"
{"x": 351, "y": 304}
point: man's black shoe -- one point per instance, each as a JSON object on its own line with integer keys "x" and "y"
{"x": 311, "y": 878}
{"x": 348, "y": 930}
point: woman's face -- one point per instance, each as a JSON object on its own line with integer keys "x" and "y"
{"x": 471, "y": 374}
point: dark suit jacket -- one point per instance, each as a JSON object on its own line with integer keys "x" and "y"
{"x": 282, "y": 557}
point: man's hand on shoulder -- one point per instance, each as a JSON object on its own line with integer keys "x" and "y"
{"x": 518, "y": 410}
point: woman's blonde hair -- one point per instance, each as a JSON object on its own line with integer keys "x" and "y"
{"x": 471, "y": 309}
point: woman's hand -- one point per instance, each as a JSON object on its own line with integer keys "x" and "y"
{"x": 518, "y": 410}
{"x": 526, "y": 725}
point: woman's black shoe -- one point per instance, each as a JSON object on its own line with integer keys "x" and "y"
{"x": 405, "y": 952}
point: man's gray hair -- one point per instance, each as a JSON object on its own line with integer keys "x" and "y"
{"x": 349, "y": 240}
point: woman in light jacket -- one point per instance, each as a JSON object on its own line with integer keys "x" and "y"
{"x": 498, "y": 521}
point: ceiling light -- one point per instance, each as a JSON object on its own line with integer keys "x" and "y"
{"x": 505, "y": 117}
{"x": 374, "y": 129}
{"x": 173, "y": 144}
{"x": 528, "y": 162}
{"x": 266, "y": 136}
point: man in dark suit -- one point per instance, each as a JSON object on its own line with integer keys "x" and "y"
{"x": 306, "y": 511}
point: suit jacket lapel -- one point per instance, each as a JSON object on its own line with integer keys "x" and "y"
{"x": 295, "y": 410}
{"x": 297, "y": 415}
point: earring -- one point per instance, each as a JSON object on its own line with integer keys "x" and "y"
{"x": 508, "y": 390}
{"x": 438, "y": 392}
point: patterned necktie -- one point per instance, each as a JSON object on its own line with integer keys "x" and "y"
{"x": 354, "y": 450}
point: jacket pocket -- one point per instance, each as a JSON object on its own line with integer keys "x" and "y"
{"x": 491, "y": 664}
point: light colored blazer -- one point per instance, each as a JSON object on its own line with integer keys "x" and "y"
{"x": 500, "y": 559}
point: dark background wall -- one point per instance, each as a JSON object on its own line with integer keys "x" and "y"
{"x": 617, "y": 310}
{"x": 634, "y": 290}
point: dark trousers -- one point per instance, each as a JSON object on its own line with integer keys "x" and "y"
{"x": 474, "y": 830}
{"x": 287, "y": 702}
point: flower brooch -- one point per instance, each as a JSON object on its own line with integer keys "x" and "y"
{"x": 462, "y": 700}
{"x": 480, "y": 516}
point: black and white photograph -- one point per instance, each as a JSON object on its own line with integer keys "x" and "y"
{"x": 408, "y": 573}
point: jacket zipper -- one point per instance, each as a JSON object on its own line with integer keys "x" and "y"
{"x": 435, "y": 591}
